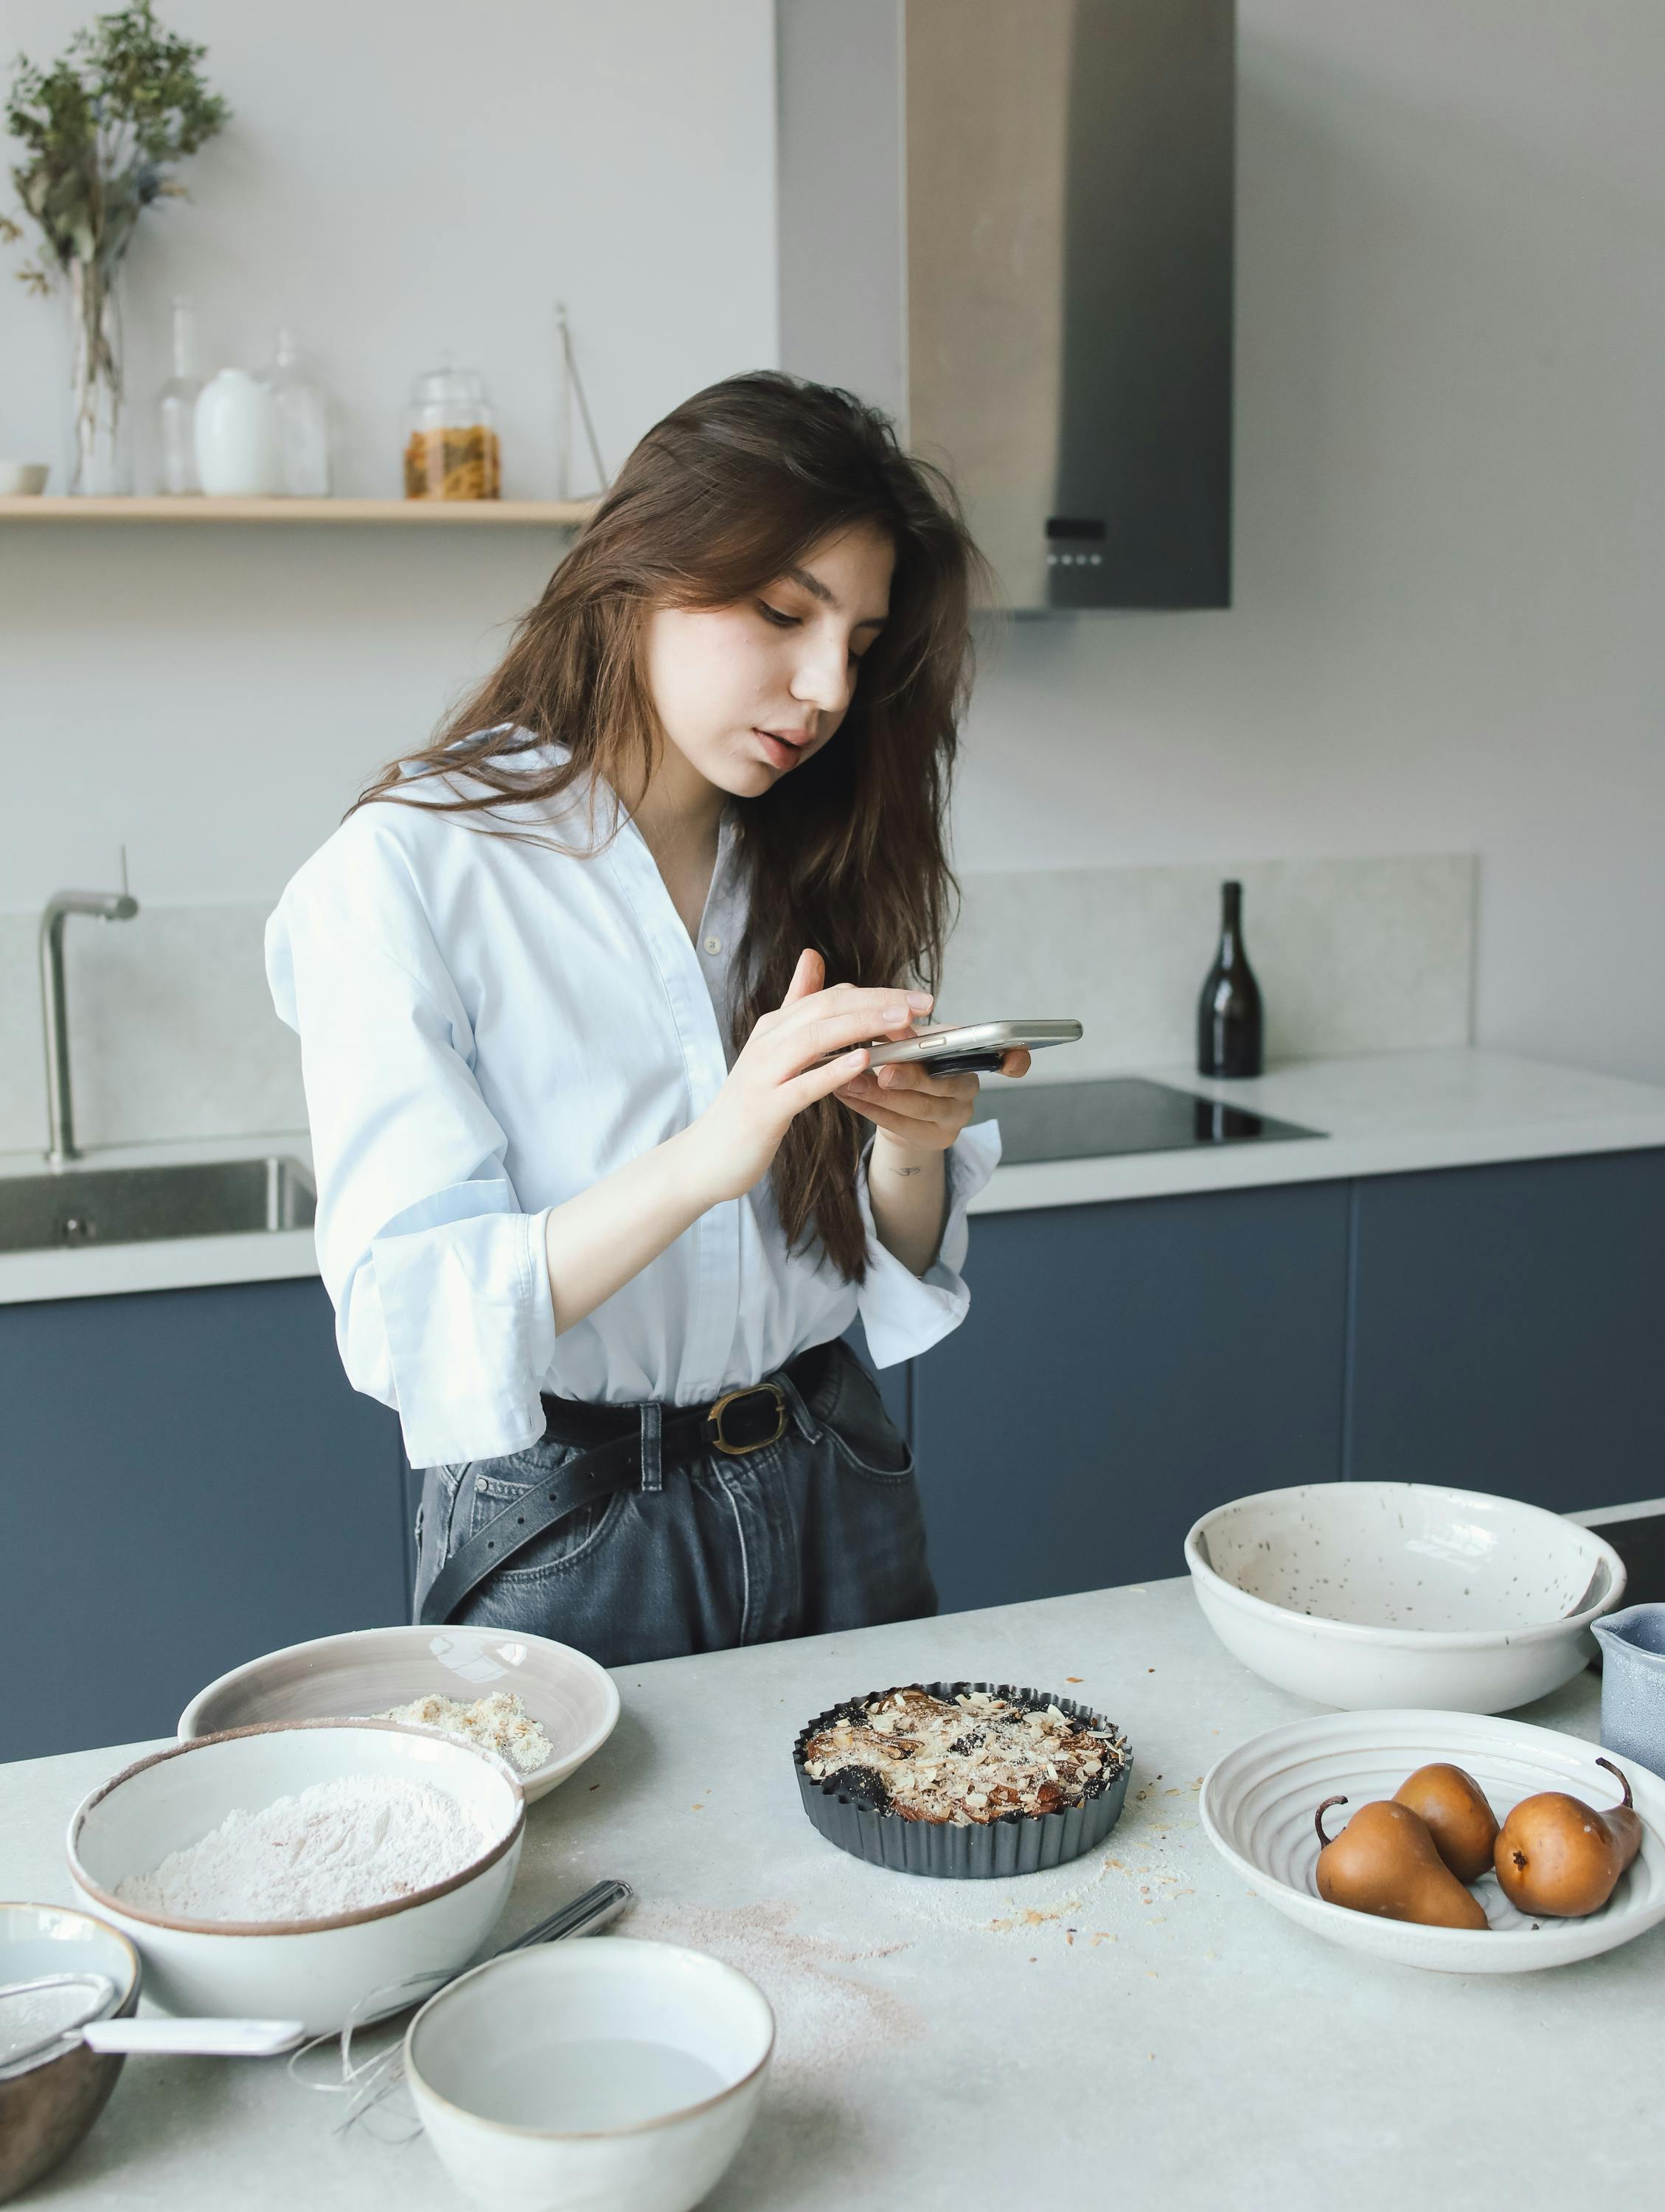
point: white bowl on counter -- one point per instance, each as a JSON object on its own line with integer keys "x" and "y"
{"x": 315, "y": 1970}
{"x": 1258, "y": 1801}
{"x": 611, "y": 2072}
{"x": 573, "y": 1699}
{"x": 1387, "y": 1594}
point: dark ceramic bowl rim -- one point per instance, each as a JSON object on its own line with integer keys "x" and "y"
{"x": 476, "y": 1867}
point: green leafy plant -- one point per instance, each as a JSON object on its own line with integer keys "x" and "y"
{"x": 102, "y": 131}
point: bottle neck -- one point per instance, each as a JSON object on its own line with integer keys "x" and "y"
{"x": 1231, "y": 915}
{"x": 184, "y": 340}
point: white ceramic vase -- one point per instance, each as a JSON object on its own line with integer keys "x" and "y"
{"x": 239, "y": 452}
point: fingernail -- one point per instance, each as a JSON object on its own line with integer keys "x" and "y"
{"x": 893, "y": 1015}
{"x": 919, "y": 1000}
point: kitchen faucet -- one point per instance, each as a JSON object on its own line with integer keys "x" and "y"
{"x": 103, "y": 906}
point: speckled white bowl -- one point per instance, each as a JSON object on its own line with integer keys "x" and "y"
{"x": 314, "y": 1971}
{"x": 1258, "y": 1801}
{"x": 1360, "y": 1594}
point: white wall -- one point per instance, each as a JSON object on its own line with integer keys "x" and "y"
{"x": 400, "y": 176}
{"x": 1450, "y": 514}
{"x": 1450, "y": 475}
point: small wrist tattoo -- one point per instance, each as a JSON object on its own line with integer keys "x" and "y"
{"x": 898, "y": 1170}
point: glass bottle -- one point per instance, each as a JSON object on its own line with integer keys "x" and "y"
{"x": 1229, "y": 1015}
{"x": 451, "y": 449}
{"x": 176, "y": 407}
{"x": 303, "y": 418}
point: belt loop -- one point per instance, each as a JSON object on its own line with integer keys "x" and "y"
{"x": 653, "y": 1474}
{"x": 803, "y": 1420}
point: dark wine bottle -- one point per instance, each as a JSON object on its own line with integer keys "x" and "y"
{"x": 1229, "y": 1012}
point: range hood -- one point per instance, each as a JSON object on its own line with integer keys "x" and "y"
{"x": 1009, "y": 223}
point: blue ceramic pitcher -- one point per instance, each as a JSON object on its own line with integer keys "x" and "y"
{"x": 1633, "y": 1684}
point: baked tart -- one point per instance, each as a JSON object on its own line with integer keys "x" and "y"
{"x": 963, "y": 1779}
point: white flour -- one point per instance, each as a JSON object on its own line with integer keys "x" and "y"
{"x": 338, "y": 1847}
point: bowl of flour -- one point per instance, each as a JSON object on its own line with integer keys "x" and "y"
{"x": 302, "y": 1871}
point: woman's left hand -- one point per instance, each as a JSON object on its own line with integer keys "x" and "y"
{"x": 914, "y": 1112}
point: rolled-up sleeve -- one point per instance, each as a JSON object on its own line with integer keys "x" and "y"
{"x": 439, "y": 1278}
{"x": 902, "y": 1313}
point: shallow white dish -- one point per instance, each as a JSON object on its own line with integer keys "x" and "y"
{"x": 313, "y": 1970}
{"x": 1366, "y": 1594}
{"x": 495, "y": 2042}
{"x": 370, "y": 1669}
{"x": 1258, "y": 1801}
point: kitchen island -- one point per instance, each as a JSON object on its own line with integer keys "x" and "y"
{"x": 1134, "y": 2028}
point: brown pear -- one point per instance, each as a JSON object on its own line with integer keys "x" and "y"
{"x": 1462, "y": 1825}
{"x": 1384, "y": 1862}
{"x": 1560, "y": 1858}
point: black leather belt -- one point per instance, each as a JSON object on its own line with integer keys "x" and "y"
{"x": 609, "y": 1443}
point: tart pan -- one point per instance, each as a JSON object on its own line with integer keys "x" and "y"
{"x": 1015, "y": 1843}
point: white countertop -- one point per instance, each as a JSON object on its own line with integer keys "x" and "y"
{"x": 1384, "y": 1114}
{"x": 1136, "y": 2027}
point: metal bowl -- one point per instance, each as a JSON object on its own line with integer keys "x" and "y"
{"x": 47, "y": 2107}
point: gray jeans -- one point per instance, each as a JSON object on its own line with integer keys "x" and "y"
{"x": 820, "y": 1530}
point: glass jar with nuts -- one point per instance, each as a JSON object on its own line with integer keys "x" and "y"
{"x": 450, "y": 441}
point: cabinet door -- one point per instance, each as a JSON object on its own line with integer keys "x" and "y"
{"x": 1123, "y": 1367}
{"x": 1506, "y": 1324}
{"x": 186, "y": 1480}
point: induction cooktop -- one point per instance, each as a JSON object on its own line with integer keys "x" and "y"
{"x": 1122, "y": 1114}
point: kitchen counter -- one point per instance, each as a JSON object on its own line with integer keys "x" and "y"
{"x": 1390, "y": 1113}
{"x": 1383, "y": 1113}
{"x": 1135, "y": 2025}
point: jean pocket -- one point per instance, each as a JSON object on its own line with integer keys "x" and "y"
{"x": 865, "y": 1436}
{"x": 496, "y": 1486}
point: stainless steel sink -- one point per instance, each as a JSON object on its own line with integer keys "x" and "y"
{"x": 137, "y": 1205}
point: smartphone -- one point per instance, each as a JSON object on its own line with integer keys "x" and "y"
{"x": 975, "y": 1048}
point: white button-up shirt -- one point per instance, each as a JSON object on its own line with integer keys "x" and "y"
{"x": 488, "y": 1027}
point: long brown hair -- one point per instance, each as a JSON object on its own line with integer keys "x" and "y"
{"x": 847, "y": 853}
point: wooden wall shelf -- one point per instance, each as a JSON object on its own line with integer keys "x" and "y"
{"x": 418, "y": 514}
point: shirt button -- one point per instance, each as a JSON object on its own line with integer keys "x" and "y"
{"x": 714, "y": 945}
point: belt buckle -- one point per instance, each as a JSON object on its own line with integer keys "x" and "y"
{"x": 714, "y": 1419}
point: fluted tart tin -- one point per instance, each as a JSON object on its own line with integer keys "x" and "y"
{"x": 1012, "y": 1842}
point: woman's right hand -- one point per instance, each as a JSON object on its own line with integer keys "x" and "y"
{"x": 783, "y": 1066}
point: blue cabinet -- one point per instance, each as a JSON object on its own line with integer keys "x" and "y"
{"x": 187, "y": 1480}
{"x": 1505, "y": 1323}
{"x": 1123, "y": 1368}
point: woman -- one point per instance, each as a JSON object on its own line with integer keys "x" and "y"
{"x": 582, "y": 991}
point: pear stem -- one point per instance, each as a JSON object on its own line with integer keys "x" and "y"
{"x": 1623, "y": 1783}
{"x": 1318, "y": 1818}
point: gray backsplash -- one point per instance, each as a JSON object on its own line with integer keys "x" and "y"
{"x": 173, "y": 1034}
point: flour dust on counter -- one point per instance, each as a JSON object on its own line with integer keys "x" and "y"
{"x": 827, "y": 2012}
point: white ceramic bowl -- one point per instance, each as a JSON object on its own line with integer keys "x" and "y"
{"x": 574, "y": 1700}
{"x": 1361, "y": 1594}
{"x": 312, "y": 1970}
{"x": 532, "y": 2104}
{"x": 22, "y": 479}
{"x": 1258, "y": 1801}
